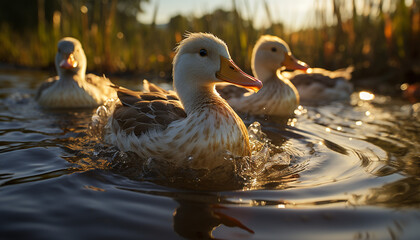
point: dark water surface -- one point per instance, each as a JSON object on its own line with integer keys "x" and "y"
{"x": 343, "y": 171}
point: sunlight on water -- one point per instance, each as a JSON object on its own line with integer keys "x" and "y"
{"x": 353, "y": 166}
{"x": 284, "y": 163}
{"x": 367, "y": 96}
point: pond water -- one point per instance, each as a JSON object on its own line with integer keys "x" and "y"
{"x": 342, "y": 171}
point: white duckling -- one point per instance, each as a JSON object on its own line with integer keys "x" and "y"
{"x": 278, "y": 97}
{"x": 319, "y": 86}
{"x": 199, "y": 128}
{"x": 72, "y": 88}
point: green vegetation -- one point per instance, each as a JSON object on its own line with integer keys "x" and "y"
{"x": 378, "y": 37}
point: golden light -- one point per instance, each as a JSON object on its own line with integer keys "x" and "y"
{"x": 300, "y": 110}
{"x": 367, "y": 113}
{"x": 84, "y": 9}
{"x": 367, "y": 96}
{"x": 120, "y": 35}
{"x": 404, "y": 86}
{"x": 292, "y": 122}
{"x": 339, "y": 128}
{"x": 281, "y": 206}
{"x": 56, "y": 19}
{"x": 359, "y": 123}
{"x": 309, "y": 70}
{"x": 328, "y": 129}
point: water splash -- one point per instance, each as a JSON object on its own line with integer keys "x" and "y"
{"x": 98, "y": 126}
{"x": 266, "y": 162}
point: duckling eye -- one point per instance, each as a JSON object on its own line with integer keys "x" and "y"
{"x": 273, "y": 49}
{"x": 203, "y": 52}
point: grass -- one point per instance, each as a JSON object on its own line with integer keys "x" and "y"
{"x": 373, "y": 37}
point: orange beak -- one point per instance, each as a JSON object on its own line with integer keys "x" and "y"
{"x": 231, "y": 73}
{"x": 69, "y": 63}
{"x": 291, "y": 63}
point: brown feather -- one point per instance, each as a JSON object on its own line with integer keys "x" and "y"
{"x": 150, "y": 87}
{"x": 143, "y": 111}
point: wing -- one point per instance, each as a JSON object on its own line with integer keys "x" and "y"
{"x": 307, "y": 79}
{"x": 45, "y": 85}
{"x": 230, "y": 91}
{"x": 152, "y": 88}
{"x": 98, "y": 81}
{"x": 140, "y": 112}
{"x": 102, "y": 83}
{"x": 321, "y": 76}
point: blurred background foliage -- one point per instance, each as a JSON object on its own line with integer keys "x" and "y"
{"x": 383, "y": 44}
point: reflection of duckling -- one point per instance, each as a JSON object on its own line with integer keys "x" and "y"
{"x": 318, "y": 85}
{"x": 194, "y": 220}
{"x": 199, "y": 127}
{"x": 72, "y": 88}
{"x": 278, "y": 97}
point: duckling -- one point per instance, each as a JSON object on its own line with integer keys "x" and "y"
{"x": 195, "y": 126}
{"x": 72, "y": 88}
{"x": 320, "y": 86}
{"x": 278, "y": 97}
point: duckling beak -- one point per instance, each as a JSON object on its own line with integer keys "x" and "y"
{"x": 231, "y": 73}
{"x": 69, "y": 62}
{"x": 291, "y": 63}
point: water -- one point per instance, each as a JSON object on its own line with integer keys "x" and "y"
{"x": 343, "y": 171}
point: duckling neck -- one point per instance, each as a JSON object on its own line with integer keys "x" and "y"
{"x": 195, "y": 98}
{"x": 262, "y": 72}
{"x": 67, "y": 77}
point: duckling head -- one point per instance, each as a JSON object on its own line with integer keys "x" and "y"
{"x": 70, "y": 58}
{"x": 271, "y": 53}
{"x": 201, "y": 61}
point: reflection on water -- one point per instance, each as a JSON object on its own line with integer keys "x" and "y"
{"x": 404, "y": 192}
{"x": 340, "y": 171}
{"x": 194, "y": 220}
